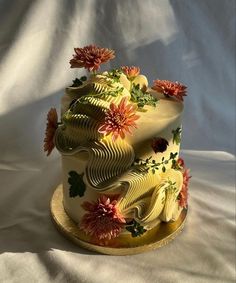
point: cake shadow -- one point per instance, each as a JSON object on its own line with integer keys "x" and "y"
{"x": 28, "y": 180}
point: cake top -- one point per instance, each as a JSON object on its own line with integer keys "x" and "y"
{"x": 111, "y": 104}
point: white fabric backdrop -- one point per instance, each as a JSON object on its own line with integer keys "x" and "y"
{"x": 185, "y": 40}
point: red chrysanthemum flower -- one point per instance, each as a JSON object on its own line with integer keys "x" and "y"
{"x": 131, "y": 72}
{"x": 50, "y": 130}
{"x": 119, "y": 119}
{"x": 103, "y": 219}
{"x": 91, "y": 57}
{"x": 183, "y": 195}
{"x": 159, "y": 144}
{"x": 169, "y": 88}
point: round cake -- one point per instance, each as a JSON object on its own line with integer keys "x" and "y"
{"x": 119, "y": 141}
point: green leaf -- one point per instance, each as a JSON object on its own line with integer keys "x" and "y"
{"x": 113, "y": 92}
{"x": 78, "y": 82}
{"x": 135, "y": 229}
{"x": 142, "y": 98}
{"x": 177, "y": 135}
{"x": 173, "y": 155}
{"x": 114, "y": 74}
{"x": 174, "y": 164}
{"x": 77, "y": 185}
{"x": 83, "y": 78}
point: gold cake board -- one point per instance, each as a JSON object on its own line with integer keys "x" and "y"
{"x": 122, "y": 245}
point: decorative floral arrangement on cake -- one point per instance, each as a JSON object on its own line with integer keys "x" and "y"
{"x": 121, "y": 118}
{"x": 122, "y": 95}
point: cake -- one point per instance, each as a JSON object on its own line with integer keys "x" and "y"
{"x": 119, "y": 141}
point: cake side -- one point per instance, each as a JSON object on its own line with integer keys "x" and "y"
{"x": 120, "y": 142}
{"x": 115, "y": 169}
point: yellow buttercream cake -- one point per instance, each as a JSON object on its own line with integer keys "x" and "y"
{"x": 119, "y": 141}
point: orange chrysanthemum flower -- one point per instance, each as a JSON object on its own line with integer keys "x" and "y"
{"x": 169, "y": 88}
{"x": 91, "y": 57}
{"x": 119, "y": 119}
{"x": 51, "y": 127}
{"x": 103, "y": 219}
{"x": 131, "y": 72}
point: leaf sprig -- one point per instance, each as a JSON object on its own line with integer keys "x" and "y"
{"x": 141, "y": 97}
{"x": 151, "y": 164}
{"x": 176, "y": 165}
{"x": 114, "y": 74}
{"x": 177, "y": 135}
{"x": 114, "y": 92}
{"x": 172, "y": 186}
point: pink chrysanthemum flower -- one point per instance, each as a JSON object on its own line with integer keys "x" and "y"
{"x": 169, "y": 88}
{"x": 50, "y": 130}
{"x": 91, "y": 57}
{"x": 119, "y": 119}
{"x": 131, "y": 72}
{"x": 183, "y": 195}
{"x": 103, "y": 219}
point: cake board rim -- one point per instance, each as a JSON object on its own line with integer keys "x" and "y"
{"x": 65, "y": 225}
